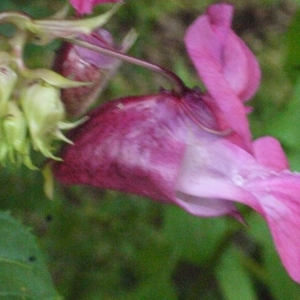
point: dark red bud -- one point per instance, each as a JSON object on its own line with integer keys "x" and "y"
{"x": 80, "y": 64}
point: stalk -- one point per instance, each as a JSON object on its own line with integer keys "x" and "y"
{"x": 179, "y": 86}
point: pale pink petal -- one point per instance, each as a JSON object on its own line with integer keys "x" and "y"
{"x": 268, "y": 151}
{"x": 205, "y": 206}
{"x": 217, "y": 169}
{"x": 86, "y": 6}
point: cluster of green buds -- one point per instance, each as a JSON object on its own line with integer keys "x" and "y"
{"x": 32, "y": 113}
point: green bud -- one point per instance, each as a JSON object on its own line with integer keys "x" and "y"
{"x": 14, "y": 127}
{"x": 15, "y": 135}
{"x": 43, "y": 111}
{"x": 8, "y": 79}
{"x": 3, "y": 149}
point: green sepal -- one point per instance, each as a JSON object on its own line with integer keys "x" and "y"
{"x": 53, "y": 78}
{"x": 46, "y": 30}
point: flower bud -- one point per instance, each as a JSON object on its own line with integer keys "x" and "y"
{"x": 8, "y": 79}
{"x": 43, "y": 111}
{"x": 81, "y": 64}
{"x": 15, "y": 135}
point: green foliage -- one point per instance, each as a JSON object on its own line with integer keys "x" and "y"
{"x": 239, "y": 284}
{"x": 23, "y": 272}
{"x": 197, "y": 244}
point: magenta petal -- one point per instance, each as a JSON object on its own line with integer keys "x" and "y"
{"x": 86, "y": 6}
{"x": 136, "y": 145}
{"x": 225, "y": 64}
{"x": 280, "y": 199}
{"x": 268, "y": 151}
{"x": 122, "y": 147}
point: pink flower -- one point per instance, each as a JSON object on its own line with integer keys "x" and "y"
{"x": 86, "y": 6}
{"x": 172, "y": 147}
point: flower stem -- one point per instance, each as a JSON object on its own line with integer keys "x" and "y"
{"x": 179, "y": 86}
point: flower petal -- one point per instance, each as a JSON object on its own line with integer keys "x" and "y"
{"x": 217, "y": 169}
{"x": 279, "y": 196}
{"x": 125, "y": 146}
{"x": 267, "y": 150}
{"x": 225, "y": 64}
{"x": 136, "y": 145}
{"x": 221, "y": 170}
{"x": 86, "y": 6}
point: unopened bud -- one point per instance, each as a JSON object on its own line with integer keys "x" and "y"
{"x": 43, "y": 111}
{"x": 15, "y": 134}
{"x": 85, "y": 65}
{"x": 82, "y": 64}
{"x": 8, "y": 79}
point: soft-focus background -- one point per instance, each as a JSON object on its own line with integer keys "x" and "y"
{"x": 107, "y": 245}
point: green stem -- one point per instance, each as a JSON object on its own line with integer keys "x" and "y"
{"x": 18, "y": 43}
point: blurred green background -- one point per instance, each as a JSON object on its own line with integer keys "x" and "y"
{"x": 107, "y": 245}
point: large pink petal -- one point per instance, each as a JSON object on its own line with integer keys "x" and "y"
{"x": 225, "y": 64}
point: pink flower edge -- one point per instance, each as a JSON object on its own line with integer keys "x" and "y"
{"x": 86, "y": 6}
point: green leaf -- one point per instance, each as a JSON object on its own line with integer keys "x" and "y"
{"x": 23, "y": 272}
{"x": 156, "y": 288}
{"x": 233, "y": 278}
{"x": 285, "y": 126}
{"x": 293, "y": 47}
{"x": 195, "y": 239}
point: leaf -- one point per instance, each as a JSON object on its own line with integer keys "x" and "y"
{"x": 234, "y": 281}
{"x": 195, "y": 239}
{"x": 286, "y": 123}
{"x": 156, "y": 288}
{"x": 293, "y": 47}
{"x": 23, "y": 272}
